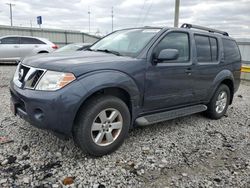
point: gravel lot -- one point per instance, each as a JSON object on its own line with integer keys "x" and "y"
{"x": 186, "y": 152}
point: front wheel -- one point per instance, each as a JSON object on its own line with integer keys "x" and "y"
{"x": 102, "y": 125}
{"x": 218, "y": 105}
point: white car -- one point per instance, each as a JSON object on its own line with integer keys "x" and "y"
{"x": 14, "y": 48}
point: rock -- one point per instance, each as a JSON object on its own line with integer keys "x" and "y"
{"x": 2, "y": 181}
{"x": 55, "y": 185}
{"x": 25, "y": 153}
{"x": 145, "y": 149}
{"x": 240, "y": 96}
{"x": 162, "y": 165}
{"x": 58, "y": 154}
{"x": 4, "y": 162}
{"x": 11, "y": 159}
{"x": 26, "y": 180}
{"x": 164, "y": 161}
{"x": 217, "y": 179}
{"x": 101, "y": 186}
{"x": 123, "y": 171}
{"x": 68, "y": 180}
{"x": 25, "y": 147}
{"x": 184, "y": 174}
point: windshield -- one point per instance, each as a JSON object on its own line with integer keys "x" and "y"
{"x": 126, "y": 42}
{"x": 69, "y": 47}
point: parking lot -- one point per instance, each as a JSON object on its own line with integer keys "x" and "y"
{"x": 186, "y": 152}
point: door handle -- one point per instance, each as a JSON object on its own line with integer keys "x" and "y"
{"x": 16, "y": 46}
{"x": 188, "y": 71}
{"x": 36, "y": 46}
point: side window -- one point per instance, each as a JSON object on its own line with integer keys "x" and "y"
{"x": 27, "y": 40}
{"x": 231, "y": 50}
{"x": 206, "y": 48}
{"x": 214, "y": 48}
{"x": 175, "y": 40}
{"x": 202, "y": 48}
{"x": 10, "y": 40}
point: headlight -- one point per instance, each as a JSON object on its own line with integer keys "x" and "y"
{"x": 52, "y": 80}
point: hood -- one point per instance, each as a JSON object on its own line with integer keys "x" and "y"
{"x": 77, "y": 62}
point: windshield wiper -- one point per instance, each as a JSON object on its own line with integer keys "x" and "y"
{"x": 109, "y": 51}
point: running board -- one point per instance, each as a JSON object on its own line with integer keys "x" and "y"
{"x": 172, "y": 114}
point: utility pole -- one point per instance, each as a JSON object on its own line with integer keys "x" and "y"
{"x": 112, "y": 17}
{"x": 89, "y": 20}
{"x": 176, "y": 14}
{"x": 11, "y": 18}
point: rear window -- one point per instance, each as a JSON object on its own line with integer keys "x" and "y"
{"x": 206, "y": 48}
{"x": 231, "y": 51}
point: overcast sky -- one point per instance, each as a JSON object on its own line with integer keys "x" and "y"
{"x": 229, "y": 15}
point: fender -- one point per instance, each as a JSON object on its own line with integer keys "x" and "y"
{"x": 220, "y": 77}
{"x": 97, "y": 80}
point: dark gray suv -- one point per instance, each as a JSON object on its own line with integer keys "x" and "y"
{"x": 132, "y": 77}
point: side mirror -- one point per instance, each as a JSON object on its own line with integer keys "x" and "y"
{"x": 168, "y": 54}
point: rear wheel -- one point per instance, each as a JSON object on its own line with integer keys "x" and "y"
{"x": 218, "y": 105}
{"x": 102, "y": 125}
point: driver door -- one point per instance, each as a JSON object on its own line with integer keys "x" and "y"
{"x": 170, "y": 83}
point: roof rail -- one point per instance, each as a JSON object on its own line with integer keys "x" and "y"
{"x": 189, "y": 26}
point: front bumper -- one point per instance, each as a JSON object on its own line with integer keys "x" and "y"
{"x": 52, "y": 110}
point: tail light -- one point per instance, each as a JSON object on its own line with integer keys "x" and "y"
{"x": 54, "y": 46}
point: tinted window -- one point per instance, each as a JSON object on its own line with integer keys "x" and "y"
{"x": 10, "y": 40}
{"x": 26, "y": 40}
{"x": 231, "y": 51}
{"x": 206, "y": 48}
{"x": 214, "y": 48}
{"x": 202, "y": 48}
{"x": 175, "y": 40}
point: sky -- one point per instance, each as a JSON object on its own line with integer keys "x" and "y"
{"x": 232, "y": 16}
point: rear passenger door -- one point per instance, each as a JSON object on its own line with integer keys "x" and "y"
{"x": 208, "y": 64}
{"x": 29, "y": 45}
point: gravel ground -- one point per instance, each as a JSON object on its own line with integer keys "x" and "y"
{"x": 186, "y": 152}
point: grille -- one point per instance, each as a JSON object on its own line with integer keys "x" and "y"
{"x": 28, "y": 77}
{"x": 22, "y": 72}
{"x": 36, "y": 78}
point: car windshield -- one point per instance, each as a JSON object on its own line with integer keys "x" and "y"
{"x": 125, "y": 42}
{"x": 69, "y": 47}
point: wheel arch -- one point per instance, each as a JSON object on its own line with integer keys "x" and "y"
{"x": 224, "y": 77}
{"x": 110, "y": 83}
{"x": 42, "y": 51}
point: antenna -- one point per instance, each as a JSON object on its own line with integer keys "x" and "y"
{"x": 112, "y": 17}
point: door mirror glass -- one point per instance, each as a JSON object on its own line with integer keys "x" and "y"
{"x": 168, "y": 54}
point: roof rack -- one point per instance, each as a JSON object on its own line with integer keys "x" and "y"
{"x": 189, "y": 26}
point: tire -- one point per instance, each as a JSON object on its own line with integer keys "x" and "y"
{"x": 94, "y": 127}
{"x": 217, "y": 108}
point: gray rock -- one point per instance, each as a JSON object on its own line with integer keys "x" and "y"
{"x": 5, "y": 162}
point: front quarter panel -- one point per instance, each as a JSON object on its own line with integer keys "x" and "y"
{"x": 97, "y": 80}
